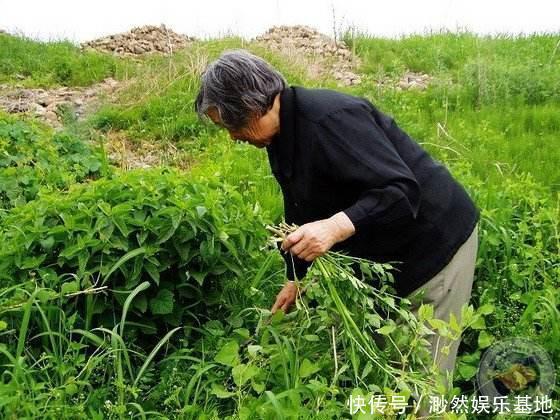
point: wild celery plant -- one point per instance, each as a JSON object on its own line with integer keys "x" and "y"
{"x": 378, "y": 326}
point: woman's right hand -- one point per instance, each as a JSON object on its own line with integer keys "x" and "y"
{"x": 286, "y": 298}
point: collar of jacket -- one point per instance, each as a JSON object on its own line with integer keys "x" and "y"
{"x": 282, "y": 147}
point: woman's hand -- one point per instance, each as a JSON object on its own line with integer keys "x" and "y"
{"x": 314, "y": 239}
{"x": 286, "y": 297}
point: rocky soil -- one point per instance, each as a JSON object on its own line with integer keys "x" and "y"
{"x": 326, "y": 57}
{"x": 322, "y": 56}
{"x": 49, "y": 104}
{"x": 141, "y": 40}
{"x": 414, "y": 81}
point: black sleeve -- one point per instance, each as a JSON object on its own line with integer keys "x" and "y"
{"x": 358, "y": 153}
{"x": 295, "y": 267}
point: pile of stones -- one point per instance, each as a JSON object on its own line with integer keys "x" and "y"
{"x": 139, "y": 41}
{"x": 326, "y": 56}
{"x": 48, "y": 104}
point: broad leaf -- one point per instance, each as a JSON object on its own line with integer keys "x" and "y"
{"x": 162, "y": 304}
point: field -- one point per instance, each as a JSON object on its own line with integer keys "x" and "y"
{"x": 145, "y": 292}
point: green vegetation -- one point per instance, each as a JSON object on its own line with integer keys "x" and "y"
{"x": 160, "y": 105}
{"x": 145, "y": 294}
{"x": 32, "y": 158}
{"x": 496, "y": 100}
{"x": 57, "y": 63}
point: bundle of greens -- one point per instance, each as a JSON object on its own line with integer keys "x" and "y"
{"x": 375, "y": 325}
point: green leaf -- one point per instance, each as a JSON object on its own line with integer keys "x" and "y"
{"x": 47, "y": 243}
{"x": 258, "y": 387}
{"x": 307, "y": 368}
{"x": 105, "y": 208}
{"x": 479, "y": 323}
{"x": 162, "y": 304}
{"x": 219, "y": 391}
{"x": 3, "y": 325}
{"x": 426, "y": 312}
{"x": 453, "y": 323}
{"x": 253, "y": 349}
{"x": 367, "y": 369}
{"x": 486, "y": 309}
{"x": 152, "y": 271}
{"x": 33, "y": 262}
{"x": 386, "y": 330}
{"x": 438, "y": 324}
{"x": 141, "y": 303}
{"x": 70, "y": 287}
{"x": 467, "y": 371}
{"x": 198, "y": 276}
{"x": 44, "y": 295}
{"x": 277, "y": 317}
{"x": 485, "y": 339}
{"x": 153, "y": 353}
{"x": 201, "y": 210}
{"x": 228, "y": 354}
{"x": 92, "y": 164}
{"x": 373, "y": 319}
{"x": 120, "y": 223}
{"x": 214, "y": 327}
{"x": 129, "y": 299}
{"x": 122, "y": 260}
{"x": 71, "y": 251}
{"x": 71, "y": 389}
{"x": 311, "y": 337}
{"x": 242, "y": 373}
{"x": 243, "y": 332}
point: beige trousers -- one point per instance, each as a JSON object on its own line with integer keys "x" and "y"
{"x": 447, "y": 291}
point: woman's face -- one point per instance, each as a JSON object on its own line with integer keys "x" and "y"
{"x": 260, "y": 130}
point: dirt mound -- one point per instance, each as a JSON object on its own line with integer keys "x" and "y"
{"x": 325, "y": 56}
{"x": 140, "y": 40}
{"x": 49, "y": 105}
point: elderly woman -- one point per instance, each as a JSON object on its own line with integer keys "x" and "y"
{"x": 353, "y": 180}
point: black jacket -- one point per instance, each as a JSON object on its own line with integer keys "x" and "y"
{"x": 336, "y": 152}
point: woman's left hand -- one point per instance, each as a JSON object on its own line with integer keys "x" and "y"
{"x": 314, "y": 239}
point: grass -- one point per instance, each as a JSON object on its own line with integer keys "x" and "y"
{"x": 160, "y": 104}
{"x": 496, "y": 98}
{"x": 58, "y": 63}
{"x": 492, "y": 101}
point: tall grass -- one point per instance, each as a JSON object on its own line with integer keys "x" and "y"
{"x": 493, "y": 101}
{"x": 56, "y": 63}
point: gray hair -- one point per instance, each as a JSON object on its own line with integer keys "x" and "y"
{"x": 238, "y": 84}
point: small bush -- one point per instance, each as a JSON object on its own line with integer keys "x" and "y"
{"x": 32, "y": 158}
{"x": 143, "y": 225}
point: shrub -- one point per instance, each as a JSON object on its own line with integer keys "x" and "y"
{"x": 152, "y": 225}
{"x": 32, "y": 158}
